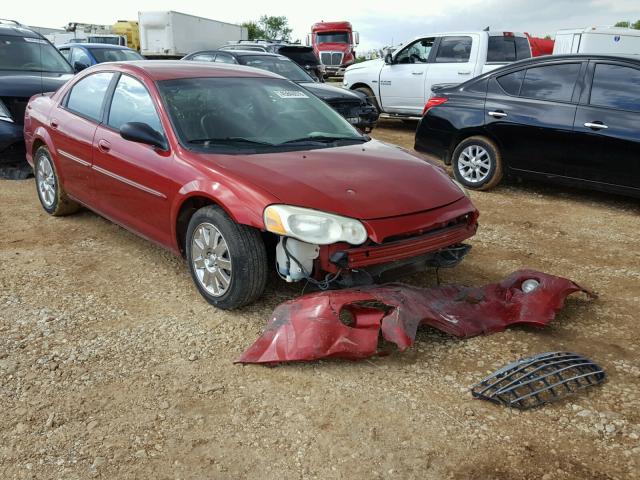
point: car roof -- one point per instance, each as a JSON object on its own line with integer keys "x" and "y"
{"x": 95, "y": 45}
{"x": 17, "y": 30}
{"x": 574, "y": 56}
{"x": 238, "y": 53}
{"x": 175, "y": 69}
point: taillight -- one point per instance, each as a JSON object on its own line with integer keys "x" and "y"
{"x": 434, "y": 102}
{"x": 508, "y": 34}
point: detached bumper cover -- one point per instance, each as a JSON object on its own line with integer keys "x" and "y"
{"x": 310, "y": 327}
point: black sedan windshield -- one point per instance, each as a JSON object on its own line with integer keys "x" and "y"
{"x": 279, "y": 65}
{"x": 232, "y": 114}
{"x": 31, "y": 55}
{"x": 114, "y": 55}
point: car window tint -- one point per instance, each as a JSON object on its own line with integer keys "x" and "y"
{"x": 80, "y": 56}
{"x": 616, "y": 86}
{"x": 202, "y": 57}
{"x": 503, "y": 49}
{"x": 550, "y": 82}
{"x": 86, "y": 96}
{"x": 454, "y": 50}
{"x": 511, "y": 82}
{"x": 417, "y": 52}
{"x": 132, "y": 103}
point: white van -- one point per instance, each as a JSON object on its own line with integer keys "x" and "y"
{"x": 598, "y": 40}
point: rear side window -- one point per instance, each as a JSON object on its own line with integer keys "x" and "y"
{"x": 454, "y": 50}
{"x": 132, "y": 103}
{"x": 202, "y": 57}
{"x": 511, "y": 82}
{"x": 224, "y": 58}
{"x": 86, "y": 96}
{"x": 503, "y": 49}
{"x": 550, "y": 82}
{"x": 616, "y": 86}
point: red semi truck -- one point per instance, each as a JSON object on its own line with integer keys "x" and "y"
{"x": 334, "y": 43}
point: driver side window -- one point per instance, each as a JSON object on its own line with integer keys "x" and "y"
{"x": 417, "y": 52}
{"x": 132, "y": 103}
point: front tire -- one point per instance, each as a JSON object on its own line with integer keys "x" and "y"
{"x": 51, "y": 193}
{"x": 227, "y": 261}
{"x": 370, "y": 95}
{"x": 477, "y": 163}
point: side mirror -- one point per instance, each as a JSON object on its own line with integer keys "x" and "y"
{"x": 79, "y": 66}
{"x": 308, "y": 40}
{"x": 388, "y": 59}
{"x": 142, "y": 133}
{"x": 356, "y": 38}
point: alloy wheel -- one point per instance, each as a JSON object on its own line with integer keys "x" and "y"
{"x": 474, "y": 164}
{"x": 46, "y": 181}
{"x": 211, "y": 259}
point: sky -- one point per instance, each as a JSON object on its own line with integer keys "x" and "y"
{"x": 380, "y": 23}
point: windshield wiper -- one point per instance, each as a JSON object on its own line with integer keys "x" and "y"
{"x": 226, "y": 140}
{"x": 323, "y": 139}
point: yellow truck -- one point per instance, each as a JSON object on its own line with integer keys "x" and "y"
{"x": 128, "y": 29}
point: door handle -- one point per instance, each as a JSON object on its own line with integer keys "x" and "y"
{"x": 596, "y": 125}
{"x": 104, "y": 146}
{"x": 417, "y": 73}
{"x": 497, "y": 114}
{"x": 466, "y": 72}
{"x": 53, "y": 124}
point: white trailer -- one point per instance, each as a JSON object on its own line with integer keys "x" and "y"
{"x": 598, "y": 40}
{"x": 171, "y": 34}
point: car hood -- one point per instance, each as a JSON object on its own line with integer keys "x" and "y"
{"x": 375, "y": 64}
{"x": 330, "y": 93}
{"x": 27, "y": 84}
{"x": 365, "y": 181}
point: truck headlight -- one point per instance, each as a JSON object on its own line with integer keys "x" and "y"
{"x": 313, "y": 226}
{"x": 5, "y": 114}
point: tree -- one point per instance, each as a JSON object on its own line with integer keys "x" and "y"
{"x": 624, "y": 24}
{"x": 269, "y": 28}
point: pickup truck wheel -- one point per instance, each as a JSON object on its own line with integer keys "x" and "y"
{"x": 51, "y": 193}
{"x": 227, "y": 261}
{"x": 477, "y": 163}
{"x": 370, "y": 95}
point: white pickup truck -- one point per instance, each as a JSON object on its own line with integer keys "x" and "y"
{"x": 400, "y": 85}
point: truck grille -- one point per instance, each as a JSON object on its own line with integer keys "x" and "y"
{"x": 331, "y": 58}
{"x": 16, "y": 106}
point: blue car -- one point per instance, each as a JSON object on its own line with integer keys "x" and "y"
{"x": 83, "y": 55}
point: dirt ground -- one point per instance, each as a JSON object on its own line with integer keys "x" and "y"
{"x": 113, "y": 366}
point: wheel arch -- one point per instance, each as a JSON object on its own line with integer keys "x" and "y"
{"x": 463, "y": 135}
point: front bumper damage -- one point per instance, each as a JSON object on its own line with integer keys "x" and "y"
{"x": 361, "y": 115}
{"x": 347, "y": 323}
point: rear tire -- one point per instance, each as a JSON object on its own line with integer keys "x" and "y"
{"x": 477, "y": 163}
{"x": 227, "y": 261}
{"x": 370, "y": 95}
{"x": 51, "y": 193}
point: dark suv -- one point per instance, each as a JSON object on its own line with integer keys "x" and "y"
{"x": 571, "y": 119}
{"x": 29, "y": 65}
{"x": 354, "y": 106}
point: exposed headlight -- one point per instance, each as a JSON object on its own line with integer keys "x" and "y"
{"x": 461, "y": 187}
{"x": 312, "y": 226}
{"x": 4, "y": 113}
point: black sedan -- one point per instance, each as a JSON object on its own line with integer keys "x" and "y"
{"x": 573, "y": 119}
{"x": 352, "y": 105}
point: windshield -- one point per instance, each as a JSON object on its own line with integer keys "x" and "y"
{"x": 251, "y": 115}
{"x": 114, "y": 55}
{"x": 281, "y": 66}
{"x": 332, "y": 37}
{"x": 31, "y": 55}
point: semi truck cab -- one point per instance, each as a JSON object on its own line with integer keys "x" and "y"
{"x": 334, "y": 43}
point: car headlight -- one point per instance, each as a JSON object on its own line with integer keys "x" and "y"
{"x": 461, "y": 187}
{"x": 5, "y": 114}
{"x": 313, "y": 226}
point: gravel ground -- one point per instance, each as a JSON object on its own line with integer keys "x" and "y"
{"x": 112, "y": 366}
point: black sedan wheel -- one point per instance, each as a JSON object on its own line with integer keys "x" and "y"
{"x": 477, "y": 163}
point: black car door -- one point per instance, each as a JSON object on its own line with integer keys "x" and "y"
{"x": 607, "y": 125}
{"x": 530, "y": 112}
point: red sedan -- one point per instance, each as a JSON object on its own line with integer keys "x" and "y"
{"x": 230, "y": 166}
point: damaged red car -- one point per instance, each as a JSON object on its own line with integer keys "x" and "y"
{"x": 234, "y": 168}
